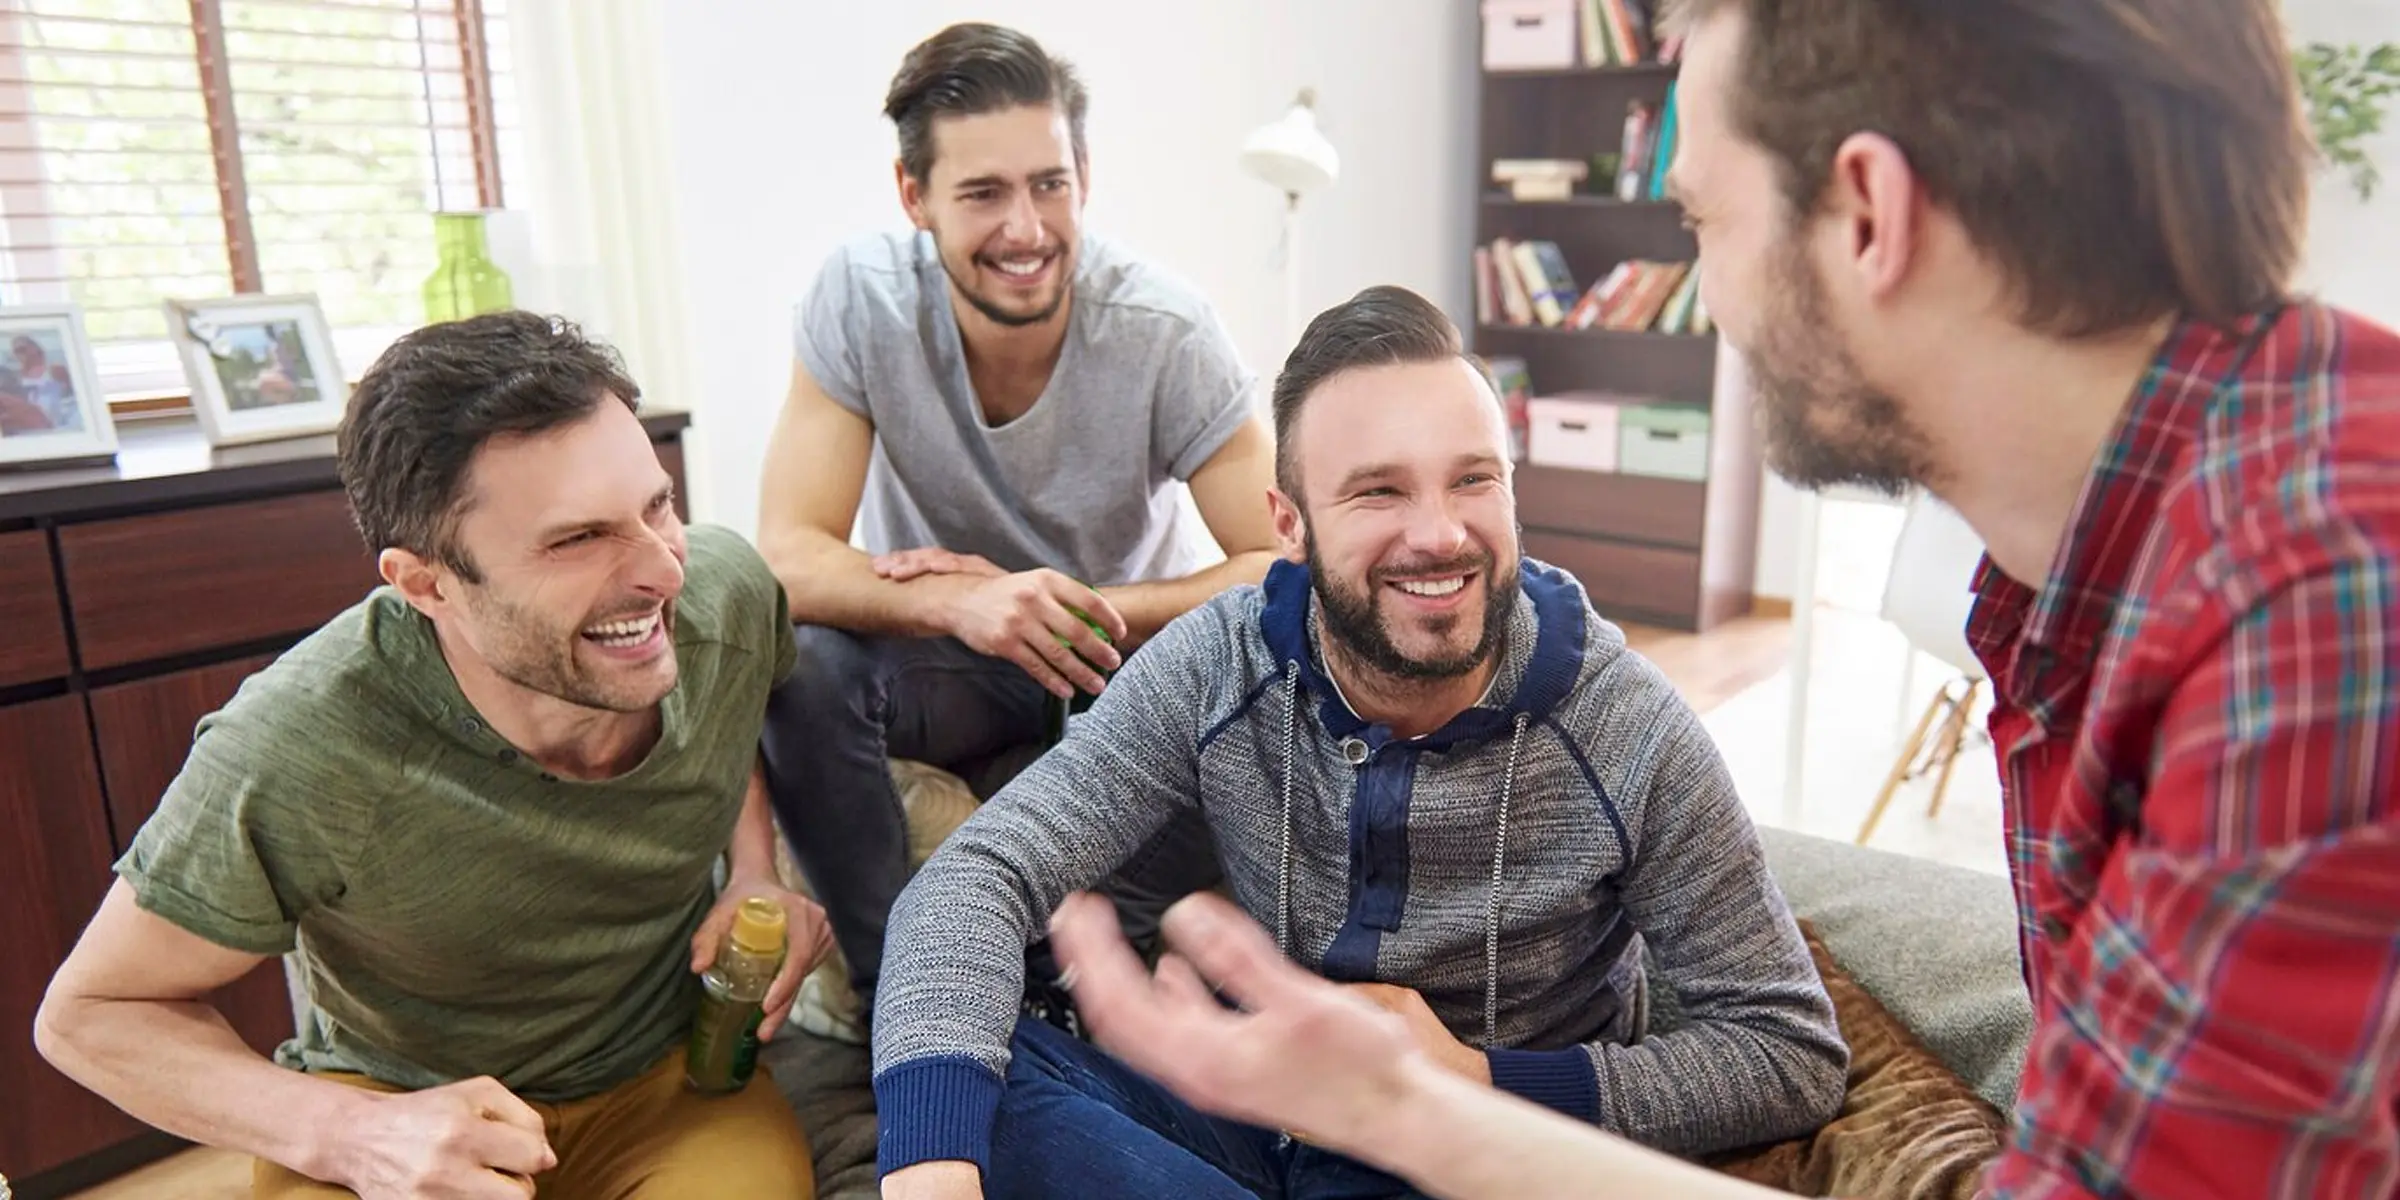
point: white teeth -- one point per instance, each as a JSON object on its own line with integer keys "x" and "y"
{"x": 1021, "y": 266}
{"x": 624, "y": 633}
{"x": 1433, "y": 587}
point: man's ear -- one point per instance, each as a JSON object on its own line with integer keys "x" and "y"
{"x": 417, "y": 579}
{"x": 1291, "y": 526}
{"x": 912, "y": 194}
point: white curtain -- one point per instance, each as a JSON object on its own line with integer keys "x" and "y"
{"x": 591, "y": 232}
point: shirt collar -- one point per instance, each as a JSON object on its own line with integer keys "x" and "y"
{"x": 2028, "y": 636}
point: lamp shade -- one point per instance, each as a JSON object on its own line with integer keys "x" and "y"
{"x": 1290, "y": 154}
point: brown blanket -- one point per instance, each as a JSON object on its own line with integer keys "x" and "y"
{"x": 1909, "y": 1127}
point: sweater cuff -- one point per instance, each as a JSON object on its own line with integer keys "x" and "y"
{"x": 933, "y": 1110}
{"x": 1558, "y": 1079}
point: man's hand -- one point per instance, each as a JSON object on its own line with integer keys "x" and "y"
{"x": 1303, "y": 1055}
{"x": 944, "y": 1180}
{"x": 470, "y": 1140}
{"x": 806, "y": 934}
{"x": 1024, "y": 618}
{"x": 1433, "y": 1037}
{"x": 904, "y": 565}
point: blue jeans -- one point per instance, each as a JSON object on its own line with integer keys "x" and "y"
{"x": 1075, "y": 1122}
{"x": 851, "y": 704}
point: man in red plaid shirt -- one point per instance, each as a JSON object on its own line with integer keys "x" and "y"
{"x": 2034, "y": 257}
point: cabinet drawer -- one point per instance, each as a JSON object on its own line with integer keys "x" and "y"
{"x": 1670, "y": 512}
{"x": 171, "y": 583}
{"x": 1641, "y": 583}
{"x": 35, "y": 646}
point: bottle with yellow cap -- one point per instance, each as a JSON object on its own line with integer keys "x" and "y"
{"x": 724, "y": 1048}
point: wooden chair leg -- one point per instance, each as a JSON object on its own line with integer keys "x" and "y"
{"x": 1908, "y": 683}
{"x": 1954, "y": 735}
{"x": 1900, "y": 766}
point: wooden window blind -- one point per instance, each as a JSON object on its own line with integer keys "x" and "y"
{"x": 194, "y": 148}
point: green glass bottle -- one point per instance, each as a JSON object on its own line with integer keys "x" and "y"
{"x": 1054, "y": 725}
{"x": 465, "y": 281}
{"x": 723, "y": 1052}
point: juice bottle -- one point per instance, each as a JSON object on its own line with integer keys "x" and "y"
{"x": 724, "y": 1048}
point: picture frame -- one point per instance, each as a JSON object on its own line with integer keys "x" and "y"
{"x": 262, "y": 368}
{"x": 52, "y": 411}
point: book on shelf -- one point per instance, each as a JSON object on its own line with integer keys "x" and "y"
{"x": 1527, "y": 282}
{"x": 1662, "y": 149}
{"x": 1617, "y": 33}
{"x": 1540, "y": 178}
{"x": 1647, "y": 148}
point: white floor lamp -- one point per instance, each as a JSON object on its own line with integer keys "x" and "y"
{"x": 1291, "y": 155}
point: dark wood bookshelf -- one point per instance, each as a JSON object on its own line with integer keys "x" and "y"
{"x": 1672, "y": 552}
{"x": 1620, "y": 71}
{"x": 1504, "y": 200}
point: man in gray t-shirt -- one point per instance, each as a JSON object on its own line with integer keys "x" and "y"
{"x": 1002, "y": 408}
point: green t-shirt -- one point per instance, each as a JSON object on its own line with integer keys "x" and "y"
{"x": 457, "y": 911}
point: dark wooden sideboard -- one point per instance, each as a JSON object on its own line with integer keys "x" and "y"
{"x": 134, "y": 599}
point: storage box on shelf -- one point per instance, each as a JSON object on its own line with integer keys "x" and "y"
{"x": 1576, "y": 432}
{"x": 1667, "y": 533}
{"x": 1521, "y": 35}
{"x": 1666, "y": 440}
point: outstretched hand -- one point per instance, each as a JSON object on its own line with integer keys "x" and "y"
{"x": 1302, "y": 1054}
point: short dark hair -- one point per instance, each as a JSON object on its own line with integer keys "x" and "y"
{"x": 1380, "y": 327}
{"x": 437, "y": 395}
{"x": 973, "y": 68}
{"x": 2118, "y": 160}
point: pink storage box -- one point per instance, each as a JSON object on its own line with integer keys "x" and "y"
{"x": 1577, "y": 431}
{"x": 1528, "y": 35}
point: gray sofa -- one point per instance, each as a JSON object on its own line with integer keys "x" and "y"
{"x": 1936, "y": 945}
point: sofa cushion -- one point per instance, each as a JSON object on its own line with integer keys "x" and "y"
{"x": 1936, "y": 945}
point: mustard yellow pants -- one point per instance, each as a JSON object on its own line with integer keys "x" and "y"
{"x": 648, "y": 1139}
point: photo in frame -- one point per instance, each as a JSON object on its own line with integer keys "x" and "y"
{"x": 261, "y": 367}
{"x": 52, "y": 411}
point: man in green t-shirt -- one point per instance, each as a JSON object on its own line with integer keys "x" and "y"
{"x": 485, "y": 806}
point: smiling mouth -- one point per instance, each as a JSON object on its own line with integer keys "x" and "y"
{"x": 627, "y": 633}
{"x": 1435, "y": 588}
{"x": 1021, "y": 266}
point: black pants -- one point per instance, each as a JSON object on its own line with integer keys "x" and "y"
{"x": 851, "y": 704}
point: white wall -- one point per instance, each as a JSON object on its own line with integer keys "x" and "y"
{"x": 780, "y": 153}
{"x": 2354, "y": 245}
{"x": 2353, "y": 257}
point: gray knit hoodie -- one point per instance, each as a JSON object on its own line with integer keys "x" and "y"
{"x": 1509, "y": 866}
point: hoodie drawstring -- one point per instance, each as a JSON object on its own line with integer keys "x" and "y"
{"x": 1291, "y": 770}
{"x": 1491, "y": 927}
{"x": 1491, "y": 924}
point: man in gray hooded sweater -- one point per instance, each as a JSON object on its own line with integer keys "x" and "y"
{"x": 1432, "y": 770}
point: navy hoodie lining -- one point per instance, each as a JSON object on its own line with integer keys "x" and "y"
{"x": 1378, "y": 826}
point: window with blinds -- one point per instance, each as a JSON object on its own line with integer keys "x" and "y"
{"x": 155, "y": 149}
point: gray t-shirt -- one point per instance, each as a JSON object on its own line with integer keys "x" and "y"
{"x": 1148, "y": 386}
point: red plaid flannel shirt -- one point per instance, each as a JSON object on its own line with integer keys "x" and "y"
{"x": 2198, "y": 723}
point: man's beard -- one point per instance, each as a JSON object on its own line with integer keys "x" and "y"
{"x": 534, "y": 654}
{"x": 1824, "y": 425}
{"x": 1355, "y": 622}
{"x": 1001, "y": 316}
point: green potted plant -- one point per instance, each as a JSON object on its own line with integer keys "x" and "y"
{"x": 2345, "y": 88}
